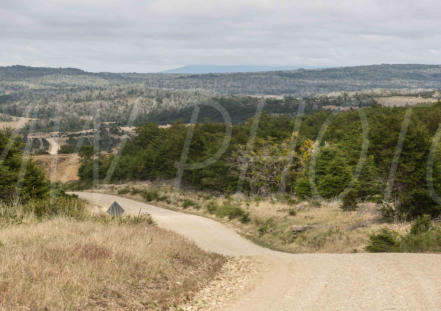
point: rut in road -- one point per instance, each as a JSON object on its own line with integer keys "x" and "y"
{"x": 308, "y": 281}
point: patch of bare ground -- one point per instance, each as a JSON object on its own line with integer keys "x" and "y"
{"x": 238, "y": 276}
{"x": 59, "y": 168}
{"x": 63, "y": 264}
{"x": 15, "y": 123}
{"x": 403, "y": 101}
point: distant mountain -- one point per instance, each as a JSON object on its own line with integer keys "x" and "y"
{"x": 201, "y": 69}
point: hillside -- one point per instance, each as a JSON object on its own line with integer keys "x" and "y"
{"x": 299, "y": 82}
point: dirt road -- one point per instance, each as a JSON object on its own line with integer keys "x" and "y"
{"x": 53, "y": 145}
{"x": 309, "y": 281}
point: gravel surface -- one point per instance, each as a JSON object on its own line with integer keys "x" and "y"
{"x": 299, "y": 281}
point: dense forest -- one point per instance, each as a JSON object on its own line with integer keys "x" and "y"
{"x": 285, "y": 159}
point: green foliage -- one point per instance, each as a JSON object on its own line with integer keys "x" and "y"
{"x": 417, "y": 202}
{"x": 292, "y": 212}
{"x": 423, "y": 237}
{"x": 153, "y": 153}
{"x": 124, "y": 191}
{"x": 66, "y": 149}
{"x": 332, "y": 172}
{"x": 150, "y": 195}
{"x": 228, "y": 209}
{"x": 20, "y": 178}
{"x": 350, "y": 200}
{"x": 190, "y": 203}
{"x": 428, "y": 241}
{"x": 266, "y": 226}
{"x": 303, "y": 188}
{"x": 384, "y": 241}
{"x": 421, "y": 225}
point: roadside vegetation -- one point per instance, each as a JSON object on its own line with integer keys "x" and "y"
{"x": 424, "y": 236}
{"x": 56, "y": 253}
{"x": 296, "y": 158}
{"x": 359, "y": 204}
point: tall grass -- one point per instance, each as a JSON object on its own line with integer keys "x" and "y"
{"x": 66, "y": 206}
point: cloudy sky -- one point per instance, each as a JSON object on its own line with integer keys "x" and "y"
{"x": 153, "y": 35}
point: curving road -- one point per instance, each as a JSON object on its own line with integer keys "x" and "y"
{"x": 309, "y": 281}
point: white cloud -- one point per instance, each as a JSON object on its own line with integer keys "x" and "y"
{"x": 132, "y": 35}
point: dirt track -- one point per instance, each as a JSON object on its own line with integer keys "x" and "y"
{"x": 309, "y": 281}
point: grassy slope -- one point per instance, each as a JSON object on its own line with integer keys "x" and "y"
{"x": 63, "y": 264}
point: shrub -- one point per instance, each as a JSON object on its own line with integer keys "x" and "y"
{"x": 150, "y": 195}
{"x": 422, "y": 224}
{"x": 245, "y": 218}
{"x": 384, "y": 241}
{"x": 428, "y": 241}
{"x": 350, "y": 200}
{"x": 417, "y": 203}
{"x": 266, "y": 226}
{"x": 227, "y": 209}
{"x": 303, "y": 189}
{"x": 212, "y": 207}
{"x": 292, "y": 212}
{"x": 123, "y": 191}
{"x": 188, "y": 203}
{"x": 388, "y": 212}
{"x": 423, "y": 237}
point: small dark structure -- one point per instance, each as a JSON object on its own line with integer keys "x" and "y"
{"x": 115, "y": 209}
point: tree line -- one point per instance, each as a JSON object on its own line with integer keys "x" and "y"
{"x": 306, "y": 165}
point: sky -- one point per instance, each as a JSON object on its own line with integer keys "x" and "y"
{"x": 154, "y": 35}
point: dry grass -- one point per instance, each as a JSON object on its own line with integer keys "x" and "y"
{"x": 332, "y": 229}
{"x": 62, "y": 264}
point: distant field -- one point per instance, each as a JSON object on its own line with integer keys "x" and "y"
{"x": 15, "y": 124}
{"x": 62, "y": 168}
{"x": 402, "y": 101}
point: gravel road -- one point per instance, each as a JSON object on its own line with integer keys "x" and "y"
{"x": 308, "y": 281}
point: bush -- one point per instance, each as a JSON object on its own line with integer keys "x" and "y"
{"x": 421, "y": 225}
{"x": 429, "y": 241}
{"x": 266, "y": 226}
{"x": 388, "y": 212}
{"x": 123, "y": 191}
{"x": 245, "y": 218}
{"x": 303, "y": 189}
{"x": 292, "y": 212}
{"x": 417, "y": 203}
{"x": 350, "y": 200}
{"x": 150, "y": 195}
{"x": 423, "y": 237}
{"x": 227, "y": 209}
{"x": 385, "y": 241}
{"x": 212, "y": 207}
{"x": 189, "y": 203}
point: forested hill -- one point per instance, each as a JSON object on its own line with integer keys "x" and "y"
{"x": 296, "y": 82}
